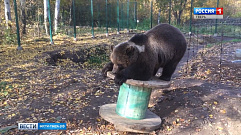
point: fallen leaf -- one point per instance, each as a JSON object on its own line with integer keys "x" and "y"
{"x": 13, "y": 114}
{"x": 98, "y": 119}
{"x": 177, "y": 120}
{"x": 220, "y": 128}
{"x": 51, "y": 110}
{"x": 222, "y": 111}
{"x": 198, "y": 129}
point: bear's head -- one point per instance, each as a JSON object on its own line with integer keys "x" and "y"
{"x": 125, "y": 54}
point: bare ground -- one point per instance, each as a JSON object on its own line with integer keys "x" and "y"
{"x": 200, "y": 101}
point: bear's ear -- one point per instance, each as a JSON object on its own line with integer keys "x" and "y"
{"x": 139, "y": 39}
{"x": 130, "y": 50}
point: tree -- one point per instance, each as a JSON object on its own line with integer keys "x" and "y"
{"x": 23, "y": 15}
{"x": 179, "y": 6}
{"x": 57, "y": 5}
{"x": 7, "y": 11}
{"x": 164, "y": 7}
{"x": 46, "y": 16}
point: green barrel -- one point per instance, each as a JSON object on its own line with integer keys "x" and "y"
{"x": 133, "y": 101}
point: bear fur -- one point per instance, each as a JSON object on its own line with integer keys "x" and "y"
{"x": 142, "y": 56}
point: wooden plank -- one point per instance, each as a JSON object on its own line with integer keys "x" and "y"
{"x": 146, "y": 125}
{"x": 154, "y": 82}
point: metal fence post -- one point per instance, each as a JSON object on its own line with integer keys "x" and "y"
{"x": 151, "y": 12}
{"x": 106, "y": 16}
{"x": 16, "y": 18}
{"x": 216, "y": 22}
{"x": 128, "y": 6}
{"x": 92, "y": 19}
{"x": 190, "y": 23}
{"x": 121, "y": 16}
{"x": 50, "y": 25}
{"x": 118, "y": 17}
{"x": 135, "y": 12}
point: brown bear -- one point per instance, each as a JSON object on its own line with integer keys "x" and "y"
{"x": 142, "y": 56}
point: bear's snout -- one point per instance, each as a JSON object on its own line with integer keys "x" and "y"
{"x": 117, "y": 68}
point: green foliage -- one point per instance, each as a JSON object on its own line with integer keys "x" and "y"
{"x": 209, "y": 45}
{"x": 230, "y": 30}
{"x": 4, "y": 89}
{"x": 183, "y": 28}
{"x": 96, "y": 61}
{"x": 96, "y": 57}
{"x": 144, "y": 24}
{"x": 236, "y": 40}
{"x": 139, "y": 11}
{"x": 9, "y": 37}
{"x": 219, "y": 42}
{"x": 3, "y": 86}
{"x": 227, "y": 29}
{"x": 4, "y": 130}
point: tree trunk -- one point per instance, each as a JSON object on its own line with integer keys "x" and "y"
{"x": 7, "y": 11}
{"x": 70, "y": 13}
{"x": 179, "y": 17}
{"x": 178, "y": 12}
{"x": 175, "y": 15}
{"x": 57, "y": 5}
{"x": 183, "y": 4}
{"x": 46, "y": 16}
{"x": 23, "y": 15}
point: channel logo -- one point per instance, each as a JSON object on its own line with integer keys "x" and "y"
{"x": 208, "y": 13}
{"x": 42, "y": 126}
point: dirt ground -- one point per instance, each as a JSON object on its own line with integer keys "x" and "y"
{"x": 40, "y": 85}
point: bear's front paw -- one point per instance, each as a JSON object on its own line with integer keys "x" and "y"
{"x": 107, "y": 67}
{"x": 104, "y": 71}
{"x": 120, "y": 79}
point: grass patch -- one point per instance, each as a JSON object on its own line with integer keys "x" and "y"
{"x": 97, "y": 59}
{"x": 219, "y": 43}
{"x": 209, "y": 45}
{"x": 236, "y": 40}
{"x": 4, "y": 89}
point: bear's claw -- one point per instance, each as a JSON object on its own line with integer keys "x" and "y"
{"x": 120, "y": 79}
